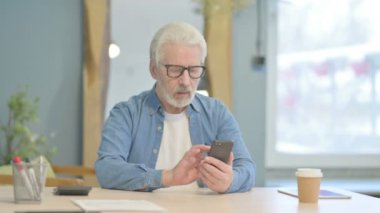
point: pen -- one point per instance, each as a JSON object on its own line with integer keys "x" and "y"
{"x": 42, "y": 173}
{"x": 33, "y": 179}
{"x": 20, "y": 168}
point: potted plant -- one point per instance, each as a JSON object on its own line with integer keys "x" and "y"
{"x": 17, "y": 137}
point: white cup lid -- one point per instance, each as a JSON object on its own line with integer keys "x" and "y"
{"x": 308, "y": 172}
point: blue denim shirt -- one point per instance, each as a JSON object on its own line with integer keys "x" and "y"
{"x": 132, "y": 135}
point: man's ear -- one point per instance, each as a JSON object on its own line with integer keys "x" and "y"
{"x": 153, "y": 70}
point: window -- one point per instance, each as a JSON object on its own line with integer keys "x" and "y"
{"x": 324, "y": 86}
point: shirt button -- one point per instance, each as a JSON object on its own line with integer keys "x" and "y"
{"x": 155, "y": 151}
{"x": 159, "y": 128}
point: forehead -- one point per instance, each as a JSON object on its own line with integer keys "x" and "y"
{"x": 177, "y": 52}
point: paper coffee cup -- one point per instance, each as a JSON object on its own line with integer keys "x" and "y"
{"x": 308, "y": 181}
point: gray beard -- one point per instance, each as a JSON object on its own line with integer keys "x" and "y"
{"x": 178, "y": 103}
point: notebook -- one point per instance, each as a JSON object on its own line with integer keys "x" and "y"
{"x": 117, "y": 205}
{"x": 323, "y": 194}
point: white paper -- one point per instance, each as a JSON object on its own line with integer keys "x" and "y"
{"x": 117, "y": 205}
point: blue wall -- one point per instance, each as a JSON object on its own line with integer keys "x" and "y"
{"x": 41, "y": 47}
{"x": 249, "y": 88}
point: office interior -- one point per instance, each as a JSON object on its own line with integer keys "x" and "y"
{"x": 42, "y": 47}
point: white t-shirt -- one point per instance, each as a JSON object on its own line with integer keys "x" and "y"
{"x": 175, "y": 143}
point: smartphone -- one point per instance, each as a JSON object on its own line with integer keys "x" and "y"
{"x": 221, "y": 150}
{"x": 72, "y": 190}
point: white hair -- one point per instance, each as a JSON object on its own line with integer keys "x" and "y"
{"x": 176, "y": 32}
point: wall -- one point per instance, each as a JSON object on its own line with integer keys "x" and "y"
{"x": 130, "y": 71}
{"x": 249, "y": 88}
{"x": 41, "y": 46}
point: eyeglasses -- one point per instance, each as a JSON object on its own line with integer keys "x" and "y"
{"x": 175, "y": 71}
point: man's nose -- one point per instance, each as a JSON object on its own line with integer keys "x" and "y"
{"x": 185, "y": 77}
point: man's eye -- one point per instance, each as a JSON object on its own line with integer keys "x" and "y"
{"x": 176, "y": 69}
{"x": 196, "y": 69}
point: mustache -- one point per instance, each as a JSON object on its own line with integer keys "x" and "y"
{"x": 183, "y": 89}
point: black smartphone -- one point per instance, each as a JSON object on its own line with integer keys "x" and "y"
{"x": 221, "y": 150}
{"x": 72, "y": 190}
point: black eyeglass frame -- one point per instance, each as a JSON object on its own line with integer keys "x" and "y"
{"x": 167, "y": 66}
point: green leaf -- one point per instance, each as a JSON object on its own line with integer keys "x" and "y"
{"x": 19, "y": 138}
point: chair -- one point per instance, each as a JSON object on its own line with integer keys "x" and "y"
{"x": 78, "y": 176}
{"x": 82, "y": 175}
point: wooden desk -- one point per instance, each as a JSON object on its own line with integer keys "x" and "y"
{"x": 202, "y": 200}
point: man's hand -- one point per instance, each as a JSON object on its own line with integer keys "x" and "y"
{"x": 217, "y": 174}
{"x": 186, "y": 171}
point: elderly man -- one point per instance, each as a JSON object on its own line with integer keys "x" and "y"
{"x": 160, "y": 137}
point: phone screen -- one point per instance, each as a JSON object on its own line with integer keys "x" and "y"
{"x": 221, "y": 150}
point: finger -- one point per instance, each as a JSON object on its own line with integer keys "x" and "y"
{"x": 193, "y": 158}
{"x": 212, "y": 183}
{"x": 213, "y": 173}
{"x": 216, "y": 163}
{"x": 200, "y": 148}
{"x": 196, "y": 150}
{"x": 206, "y": 181}
{"x": 198, "y": 160}
{"x": 207, "y": 178}
{"x": 200, "y": 156}
{"x": 230, "y": 159}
